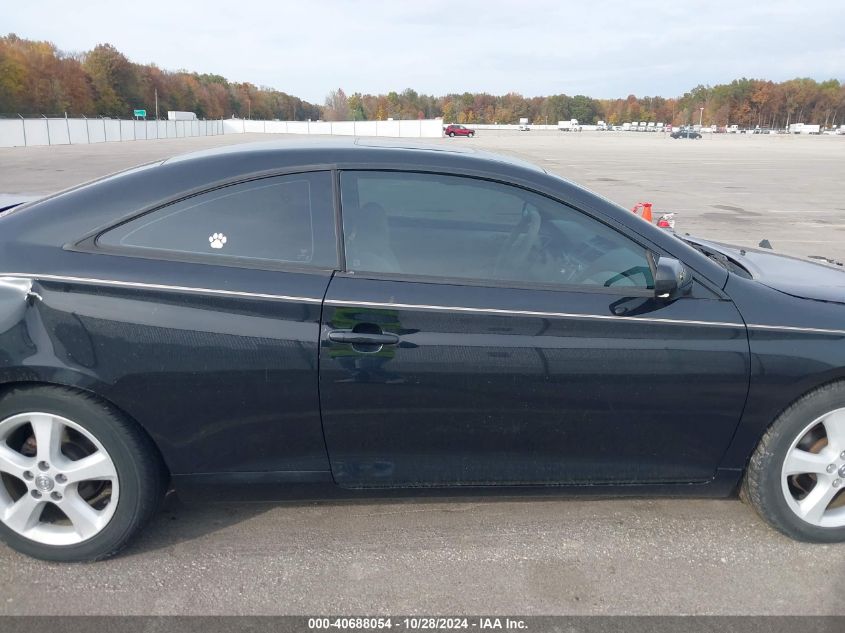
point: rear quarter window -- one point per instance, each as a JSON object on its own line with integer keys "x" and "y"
{"x": 283, "y": 219}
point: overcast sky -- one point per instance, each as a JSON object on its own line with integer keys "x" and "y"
{"x": 603, "y": 48}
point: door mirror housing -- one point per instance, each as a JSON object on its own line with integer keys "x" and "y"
{"x": 671, "y": 279}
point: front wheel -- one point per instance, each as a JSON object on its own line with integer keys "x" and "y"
{"x": 796, "y": 476}
{"x": 77, "y": 479}
{"x": 471, "y": 134}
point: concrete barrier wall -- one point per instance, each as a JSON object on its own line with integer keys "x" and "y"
{"x": 60, "y": 131}
{"x": 513, "y": 126}
{"x": 426, "y": 128}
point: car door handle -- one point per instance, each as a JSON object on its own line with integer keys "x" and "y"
{"x": 362, "y": 338}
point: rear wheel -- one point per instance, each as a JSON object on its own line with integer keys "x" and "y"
{"x": 796, "y": 476}
{"x": 452, "y": 134}
{"x": 77, "y": 479}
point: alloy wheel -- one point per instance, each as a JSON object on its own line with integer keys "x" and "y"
{"x": 58, "y": 484}
{"x": 813, "y": 473}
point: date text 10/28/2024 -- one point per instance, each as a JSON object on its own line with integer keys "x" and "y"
{"x": 420, "y": 623}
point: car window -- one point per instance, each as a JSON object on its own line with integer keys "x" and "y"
{"x": 284, "y": 219}
{"x": 454, "y": 227}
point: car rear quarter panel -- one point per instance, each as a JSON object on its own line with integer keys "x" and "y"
{"x": 221, "y": 383}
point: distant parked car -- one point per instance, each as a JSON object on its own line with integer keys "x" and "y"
{"x": 458, "y": 130}
{"x": 524, "y": 128}
{"x": 686, "y": 133}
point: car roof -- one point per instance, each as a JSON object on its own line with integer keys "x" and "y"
{"x": 84, "y": 207}
{"x": 354, "y": 149}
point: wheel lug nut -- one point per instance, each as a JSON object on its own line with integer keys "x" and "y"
{"x": 60, "y": 478}
{"x": 831, "y": 468}
{"x": 36, "y": 494}
{"x": 28, "y": 475}
{"x": 55, "y": 496}
{"x": 837, "y": 483}
{"x": 43, "y": 465}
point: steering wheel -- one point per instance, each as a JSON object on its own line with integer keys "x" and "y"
{"x": 614, "y": 277}
{"x": 524, "y": 237}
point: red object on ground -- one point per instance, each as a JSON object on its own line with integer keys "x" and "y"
{"x": 666, "y": 221}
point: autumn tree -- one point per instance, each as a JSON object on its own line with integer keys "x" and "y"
{"x": 337, "y": 106}
{"x": 356, "y": 107}
{"x": 112, "y": 77}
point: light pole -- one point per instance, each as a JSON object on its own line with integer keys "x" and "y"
{"x": 700, "y": 116}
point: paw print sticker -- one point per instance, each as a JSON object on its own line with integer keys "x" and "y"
{"x": 217, "y": 240}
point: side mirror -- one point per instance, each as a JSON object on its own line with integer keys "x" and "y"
{"x": 671, "y": 279}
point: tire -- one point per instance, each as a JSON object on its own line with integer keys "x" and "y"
{"x": 471, "y": 134}
{"x": 451, "y": 135}
{"x": 809, "y": 439}
{"x": 128, "y": 496}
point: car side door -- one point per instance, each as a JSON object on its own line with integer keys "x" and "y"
{"x": 485, "y": 334}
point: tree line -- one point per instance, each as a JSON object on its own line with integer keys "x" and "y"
{"x": 37, "y": 78}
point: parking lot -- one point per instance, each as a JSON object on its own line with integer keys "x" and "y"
{"x": 474, "y": 555}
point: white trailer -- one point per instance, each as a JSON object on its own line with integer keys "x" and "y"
{"x": 804, "y": 128}
{"x": 176, "y": 115}
{"x": 569, "y": 126}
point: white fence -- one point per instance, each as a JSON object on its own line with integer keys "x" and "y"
{"x": 514, "y": 126}
{"x": 60, "y": 131}
{"x": 417, "y": 128}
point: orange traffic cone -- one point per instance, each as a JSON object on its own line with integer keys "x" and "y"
{"x": 646, "y": 207}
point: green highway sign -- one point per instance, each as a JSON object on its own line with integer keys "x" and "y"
{"x": 140, "y": 113}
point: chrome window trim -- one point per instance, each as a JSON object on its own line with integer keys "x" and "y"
{"x": 794, "y": 328}
{"x": 410, "y": 306}
{"x": 531, "y": 313}
{"x": 151, "y": 286}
